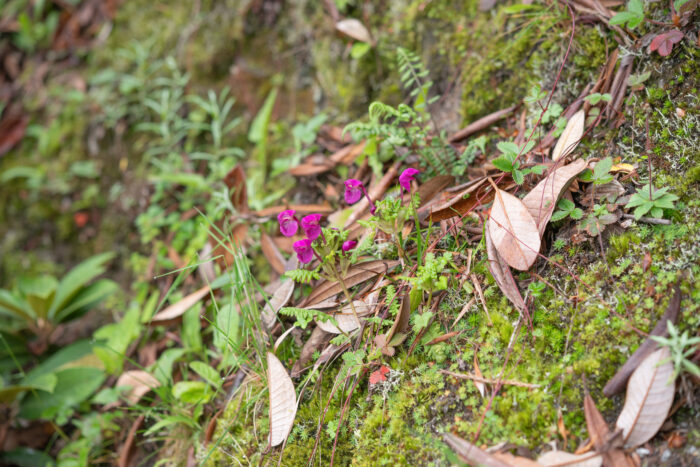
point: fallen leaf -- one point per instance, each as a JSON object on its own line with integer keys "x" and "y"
{"x": 430, "y": 188}
{"x": 478, "y": 192}
{"x": 278, "y": 300}
{"x": 514, "y": 231}
{"x": 477, "y": 371}
{"x": 12, "y": 129}
{"x": 378, "y": 375}
{"x": 501, "y": 273}
{"x": 272, "y": 253}
{"x": 176, "y": 310}
{"x": 542, "y": 199}
{"x": 357, "y": 274}
{"x": 561, "y": 458}
{"x": 649, "y": 397}
{"x": 139, "y": 382}
{"x": 619, "y": 380}
{"x": 663, "y": 43}
{"x": 124, "y": 459}
{"x": 515, "y": 461}
{"x": 235, "y": 180}
{"x": 354, "y": 29}
{"x": 598, "y": 430}
{"x": 472, "y": 454}
{"x": 317, "y": 339}
{"x": 346, "y": 319}
{"x": 569, "y": 139}
{"x": 283, "y": 400}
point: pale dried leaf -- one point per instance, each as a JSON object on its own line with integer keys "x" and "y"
{"x": 514, "y": 231}
{"x": 472, "y": 454}
{"x": 283, "y": 400}
{"x": 272, "y": 253}
{"x": 277, "y": 301}
{"x": 176, "y": 310}
{"x": 542, "y": 200}
{"x": 501, "y": 273}
{"x": 515, "y": 461}
{"x": 354, "y": 29}
{"x": 139, "y": 383}
{"x": 477, "y": 371}
{"x": 569, "y": 139}
{"x": 561, "y": 458}
{"x": 597, "y": 428}
{"x": 346, "y": 319}
{"x": 649, "y": 398}
{"x": 356, "y": 275}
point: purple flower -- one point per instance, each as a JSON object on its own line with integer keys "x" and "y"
{"x": 310, "y": 226}
{"x": 349, "y": 245}
{"x": 406, "y": 177}
{"x": 354, "y": 190}
{"x": 303, "y": 250}
{"x": 288, "y": 223}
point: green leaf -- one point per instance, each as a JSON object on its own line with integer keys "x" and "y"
{"x": 208, "y": 374}
{"x": 576, "y": 214}
{"x": 45, "y": 383}
{"x": 163, "y": 368}
{"x": 87, "y": 298}
{"x": 566, "y": 205}
{"x": 518, "y": 176}
{"x": 73, "y": 386}
{"x": 192, "y": 392}
{"x": 227, "y": 326}
{"x": 113, "y": 340}
{"x": 502, "y": 164}
{"x": 77, "y": 278}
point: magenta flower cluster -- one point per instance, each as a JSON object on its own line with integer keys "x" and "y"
{"x": 311, "y": 224}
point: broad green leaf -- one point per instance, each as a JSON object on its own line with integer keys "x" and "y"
{"x": 163, "y": 368}
{"x": 13, "y": 306}
{"x": 77, "y": 278}
{"x": 115, "y": 339}
{"x": 65, "y": 356}
{"x": 86, "y": 298}
{"x": 73, "y": 386}
{"x": 207, "y": 373}
{"x": 45, "y": 383}
{"x": 192, "y": 392}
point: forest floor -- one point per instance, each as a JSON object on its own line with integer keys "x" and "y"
{"x": 169, "y": 296}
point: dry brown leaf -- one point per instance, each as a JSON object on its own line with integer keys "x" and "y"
{"x": 139, "y": 383}
{"x": 316, "y": 340}
{"x": 176, "y": 310}
{"x": 569, "y": 139}
{"x": 597, "y": 428}
{"x": 649, "y": 397}
{"x": 430, "y": 188}
{"x": 501, "y": 273}
{"x": 272, "y": 253}
{"x": 513, "y": 231}
{"x": 235, "y": 180}
{"x": 354, "y": 29}
{"x": 472, "y": 454}
{"x": 346, "y": 319}
{"x": 515, "y": 461}
{"x": 283, "y": 400}
{"x": 542, "y": 200}
{"x": 356, "y": 275}
{"x": 617, "y": 382}
{"x": 277, "y": 301}
{"x": 561, "y": 458}
{"x": 463, "y": 202}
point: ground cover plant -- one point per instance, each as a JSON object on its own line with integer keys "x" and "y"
{"x": 349, "y": 233}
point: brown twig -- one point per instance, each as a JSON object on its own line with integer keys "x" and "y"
{"x": 478, "y": 379}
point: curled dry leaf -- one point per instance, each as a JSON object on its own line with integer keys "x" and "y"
{"x": 354, "y": 29}
{"x": 542, "y": 200}
{"x": 346, "y": 319}
{"x": 569, "y": 139}
{"x": 316, "y": 341}
{"x": 277, "y": 301}
{"x": 139, "y": 383}
{"x": 513, "y": 231}
{"x": 283, "y": 400}
{"x": 472, "y": 454}
{"x": 272, "y": 253}
{"x": 649, "y": 397}
{"x": 598, "y": 430}
{"x": 561, "y": 458}
{"x": 501, "y": 273}
{"x": 176, "y": 310}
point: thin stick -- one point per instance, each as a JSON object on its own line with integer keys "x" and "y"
{"x": 477, "y": 286}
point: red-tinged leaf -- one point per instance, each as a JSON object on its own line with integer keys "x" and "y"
{"x": 379, "y": 375}
{"x": 663, "y": 43}
{"x": 235, "y": 180}
{"x": 12, "y": 130}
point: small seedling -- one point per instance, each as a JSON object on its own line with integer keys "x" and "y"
{"x": 681, "y": 346}
{"x": 600, "y": 175}
{"x": 633, "y": 16}
{"x": 508, "y": 161}
{"x": 567, "y": 208}
{"x": 649, "y": 200}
